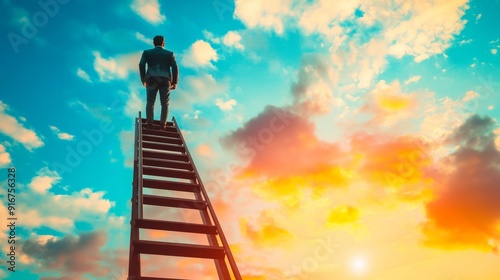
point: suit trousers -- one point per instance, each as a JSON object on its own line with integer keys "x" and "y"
{"x": 153, "y": 86}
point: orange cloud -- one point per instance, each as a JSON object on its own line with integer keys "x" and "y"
{"x": 205, "y": 150}
{"x": 267, "y": 232}
{"x": 249, "y": 277}
{"x": 466, "y": 210}
{"x": 290, "y": 190}
{"x": 280, "y": 143}
{"x": 393, "y": 103}
{"x": 400, "y": 165}
{"x": 177, "y": 267}
{"x": 389, "y": 104}
{"x": 156, "y": 234}
{"x": 341, "y": 215}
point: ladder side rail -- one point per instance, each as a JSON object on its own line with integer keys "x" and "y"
{"x": 225, "y": 244}
{"x": 220, "y": 265}
{"x": 140, "y": 171}
{"x": 134, "y": 258}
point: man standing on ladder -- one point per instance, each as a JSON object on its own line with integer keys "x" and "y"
{"x": 158, "y": 78}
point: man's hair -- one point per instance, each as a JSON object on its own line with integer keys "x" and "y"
{"x": 158, "y": 40}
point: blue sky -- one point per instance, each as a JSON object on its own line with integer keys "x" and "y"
{"x": 365, "y": 80}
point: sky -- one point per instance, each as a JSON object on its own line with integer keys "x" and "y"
{"x": 337, "y": 139}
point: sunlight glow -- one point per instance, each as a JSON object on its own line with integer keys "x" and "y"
{"x": 358, "y": 265}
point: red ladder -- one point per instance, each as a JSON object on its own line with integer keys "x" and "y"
{"x": 164, "y": 154}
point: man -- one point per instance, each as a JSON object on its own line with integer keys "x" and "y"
{"x": 158, "y": 78}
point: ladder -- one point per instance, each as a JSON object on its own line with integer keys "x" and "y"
{"x": 162, "y": 161}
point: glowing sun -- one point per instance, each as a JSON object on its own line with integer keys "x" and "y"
{"x": 358, "y": 265}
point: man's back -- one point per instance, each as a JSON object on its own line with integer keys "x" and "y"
{"x": 159, "y": 63}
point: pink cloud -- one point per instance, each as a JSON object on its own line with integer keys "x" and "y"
{"x": 466, "y": 212}
{"x": 281, "y": 143}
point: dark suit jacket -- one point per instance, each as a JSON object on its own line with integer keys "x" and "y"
{"x": 159, "y": 63}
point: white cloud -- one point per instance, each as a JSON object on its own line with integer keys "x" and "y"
{"x": 362, "y": 64}
{"x": 442, "y": 117}
{"x": 470, "y": 95}
{"x": 99, "y": 112}
{"x": 108, "y": 69}
{"x": 233, "y": 39}
{"x": 42, "y": 206}
{"x": 33, "y": 219}
{"x": 323, "y": 17}
{"x": 494, "y": 51}
{"x": 313, "y": 92}
{"x": 118, "y": 67}
{"x": 65, "y": 136}
{"x": 204, "y": 86}
{"x": 127, "y": 147}
{"x": 86, "y": 200}
{"x": 139, "y": 36}
{"x": 225, "y": 105}
{"x": 465, "y": 42}
{"x": 428, "y": 31}
{"x": 62, "y": 135}
{"x": 82, "y": 74}
{"x": 413, "y": 79}
{"x": 44, "y": 180}
{"x": 134, "y": 103}
{"x": 11, "y": 127}
{"x": 478, "y": 17}
{"x": 5, "y": 159}
{"x": 148, "y": 10}
{"x": 421, "y": 30}
{"x": 211, "y": 37}
{"x": 199, "y": 54}
{"x": 270, "y": 15}
{"x": 61, "y": 211}
{"x": 195, "y": 116}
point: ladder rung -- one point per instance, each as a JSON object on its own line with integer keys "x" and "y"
{"x": 171, "y": 129}
{"x": 167, "y": 156}
{"x": 175, "y": 226}
{"x": 169, "y": 185}
{"x": 174, "y": 202}
{"x": 170, "y": 125}
{"x": 165, "y": 172}
{"x": 167, "y": 163}
{"x": 161, "y": 133}
{"x": 164, "y": 147}
{"x": 159, "y": 139}
{"x": 154, "y": 278}
{"x": 157, "y": 122}
{"x": 157, "y": 128}
{"x": 178, "y": 249}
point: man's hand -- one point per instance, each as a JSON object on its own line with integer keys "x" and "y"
{"x": 144, "y": 84}
{"x": 173, "y": 86}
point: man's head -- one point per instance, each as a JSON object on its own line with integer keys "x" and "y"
{"x": 159, "y": 41}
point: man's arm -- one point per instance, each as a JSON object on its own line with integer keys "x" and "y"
{"x": 175, "y": 72}
{"x": 142, "y": 67}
